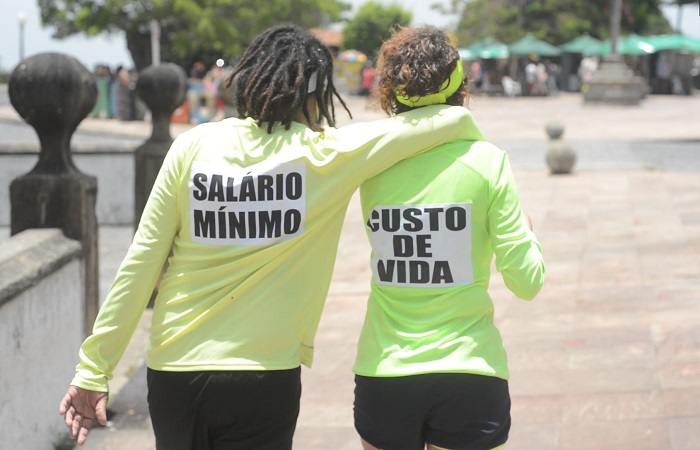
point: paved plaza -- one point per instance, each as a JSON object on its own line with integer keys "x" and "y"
{"x": 606, "y": 357}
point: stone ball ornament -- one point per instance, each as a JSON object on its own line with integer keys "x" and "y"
{"x": 53, "y": 92}
{"x": 52, "y": 89}
{"x": 560, "y": 156}
{"x": 163, "y": 88}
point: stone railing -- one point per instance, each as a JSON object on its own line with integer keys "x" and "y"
{"x": 49, "y": 267}
{"x": 42, "y": 302}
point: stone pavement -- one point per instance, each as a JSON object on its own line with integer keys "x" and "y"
{"x": 607, "y": 356}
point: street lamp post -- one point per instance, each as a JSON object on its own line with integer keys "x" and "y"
{"x": 155, "y": 42}
{"x": 22, "y": 19}
{"x": 615, "y": 19}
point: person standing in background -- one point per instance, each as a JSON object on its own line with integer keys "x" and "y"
{"x": 477, "y": 74}
{"x": 531, "y": 75}
{"x": 124, "y": 89}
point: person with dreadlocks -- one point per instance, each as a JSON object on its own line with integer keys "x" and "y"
{"x": 248, "y": 213}
{"x": 430, "y": 368}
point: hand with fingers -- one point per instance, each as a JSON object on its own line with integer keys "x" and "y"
{"x": 79, "y": 408}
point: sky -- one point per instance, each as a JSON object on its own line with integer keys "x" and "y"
{"x": 112, "y": 50}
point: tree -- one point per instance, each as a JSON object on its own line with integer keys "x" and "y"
{"x": 190, "y": 29}
{"x": 555, "y": 21}
{"x": 372, "y": 25}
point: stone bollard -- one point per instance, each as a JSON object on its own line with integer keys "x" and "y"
{"x": 560, "y": 156}
{"x": 162, "y": 88}
{"x": 53, "y": 93}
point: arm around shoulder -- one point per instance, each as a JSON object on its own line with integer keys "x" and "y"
{"x": 378, "y": 145}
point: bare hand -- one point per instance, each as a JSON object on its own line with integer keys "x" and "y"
{"x": 80, "y": 407}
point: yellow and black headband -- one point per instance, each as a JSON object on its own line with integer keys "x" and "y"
{"x": 447, "y": 88}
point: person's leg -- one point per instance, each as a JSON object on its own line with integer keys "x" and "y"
{"x": 211, "y": 410}
{"x": 389, "y": 412}
{"x": 173, "y": 407}
{"x": 469, "y": 412}
{"x": 253, "y": 410}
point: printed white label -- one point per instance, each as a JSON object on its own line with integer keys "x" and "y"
{"x": 257, "y": 205}
{"x": 421, "y": 245}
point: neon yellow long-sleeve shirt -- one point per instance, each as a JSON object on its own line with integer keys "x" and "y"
{"x": 435, "y": 222}
{"x": 249, "y": 223}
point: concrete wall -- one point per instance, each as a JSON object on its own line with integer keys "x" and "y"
{"x": 115, "y": 182}
{"x": 41, "y": 313}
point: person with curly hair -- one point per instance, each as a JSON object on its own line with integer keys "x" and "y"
{"x": 247, "y": 212}
{"x": 431, "y": 369}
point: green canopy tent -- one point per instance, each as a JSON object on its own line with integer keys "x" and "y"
{"x": 626, "y": 45}
{"x": 491, "y": 52}
{"x": 674, "y": 42}
{"x": 572, "y": 53}
{"x": 644, "y": 45}
{"x": 581, "y": 44}
{"x": 488, "y": 48}
{"x": 530, "y": 45}
{"x": 466, "y": 55}
{"x": 527, "y": 46}
{"x": 683, "y": 50}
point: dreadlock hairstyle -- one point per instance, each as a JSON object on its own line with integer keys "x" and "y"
{"x": 416, "y": 62}
{"x": 278, "y": 72}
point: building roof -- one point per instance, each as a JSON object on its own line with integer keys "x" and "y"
{"x": 331, "y": 38}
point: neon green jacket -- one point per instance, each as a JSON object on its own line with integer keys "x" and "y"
{"x": 253, "y": 221}
{"x": 435, "y": 222}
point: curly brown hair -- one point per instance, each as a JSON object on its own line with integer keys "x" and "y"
{"x": 416, "y": 61}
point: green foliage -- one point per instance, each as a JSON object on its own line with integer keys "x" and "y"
{"x": 555, "y": 21}
{"x": 372, "y": 25}
{"x": 190, "y": 29}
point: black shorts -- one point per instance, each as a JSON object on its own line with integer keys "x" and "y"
{"x": 224, "y": 410}
{"x": 448, "y": 410}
